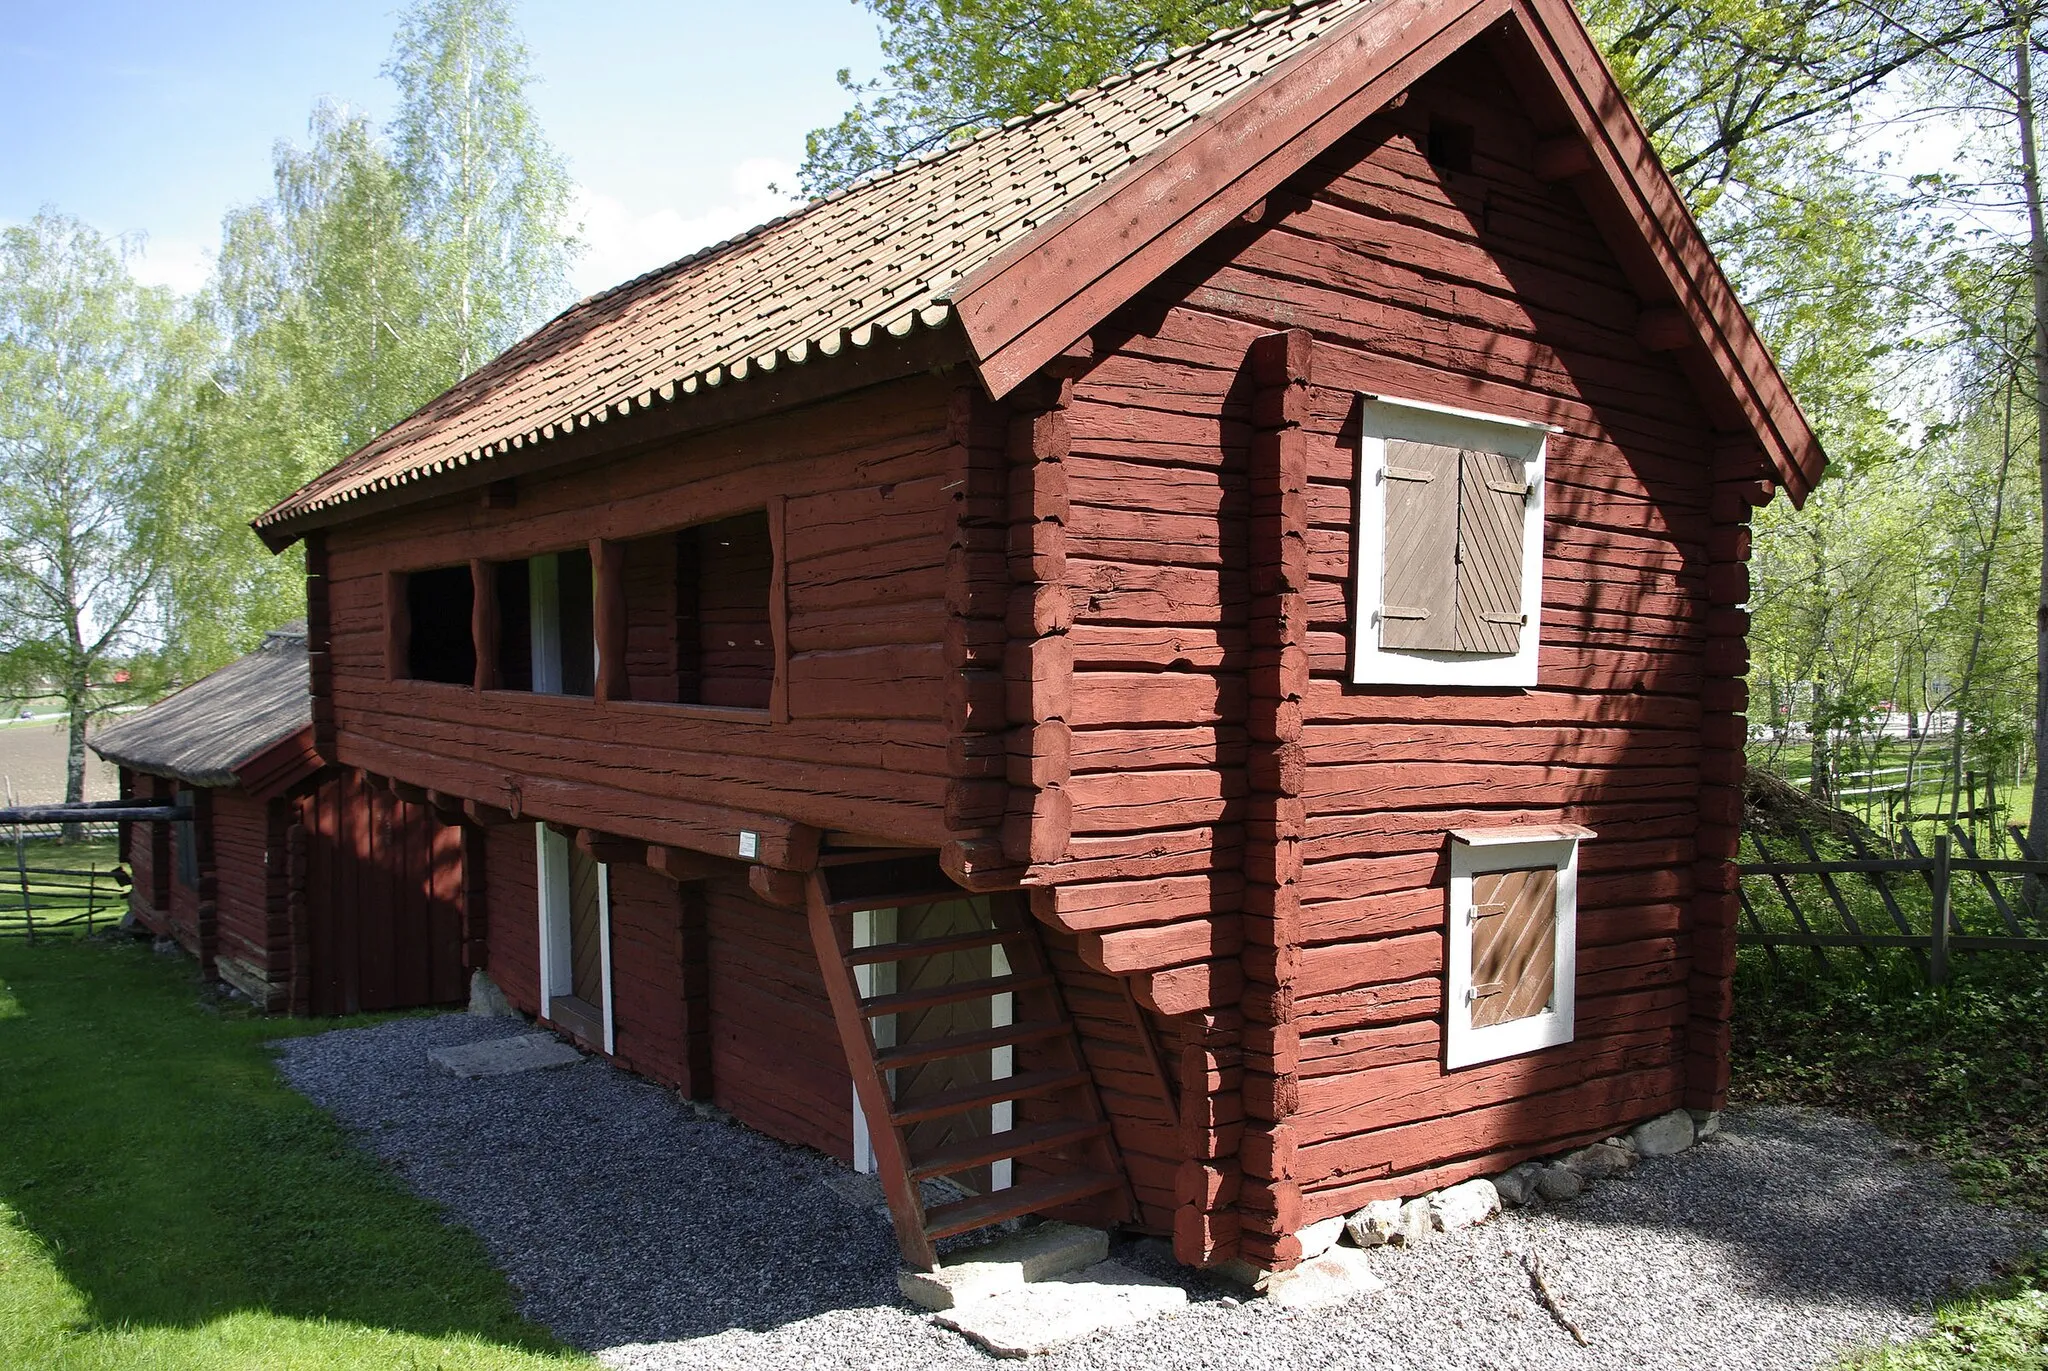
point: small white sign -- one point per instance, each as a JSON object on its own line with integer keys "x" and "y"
{"x": 750, "y": 844}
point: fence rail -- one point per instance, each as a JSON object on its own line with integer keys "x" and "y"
{"x": 1959, "y": 903}
{"x": 44, "y": 901}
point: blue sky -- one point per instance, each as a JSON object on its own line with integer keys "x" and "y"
{"x": 156, "y": 118}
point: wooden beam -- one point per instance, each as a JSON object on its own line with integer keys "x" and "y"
{"x": 446, "y": 805}
{"x": 680, "y": 864}
{"x": 483, "y": 621}
{"x": 408, "y": 792}
{"x": 608, "y": 574}
{"x": 772, "y": 885}
{"x": 602, "y": 847}
{"x": 486, "y": 816}
{"x": 1560, "y": 159}
{"x": 500, "y": 495}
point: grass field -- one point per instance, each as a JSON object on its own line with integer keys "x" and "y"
{"x": 167, "y": 1202}
{"x": 56, "y": 894}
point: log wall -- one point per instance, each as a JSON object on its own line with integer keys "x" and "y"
{"x": 858, "y": 486}
{"x": 1257, "y": 843}
{"x": 253, "y": 952}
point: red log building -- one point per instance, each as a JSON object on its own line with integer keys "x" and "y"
{"x": 1186, "y": 651}
{"x": 311, "y": 889}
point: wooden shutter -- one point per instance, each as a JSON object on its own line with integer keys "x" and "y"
{"x": 1514, "y": 944}
{"x": 1492, "y": 504}
{"x": 1419, "y": 562}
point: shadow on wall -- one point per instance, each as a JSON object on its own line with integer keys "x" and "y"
{"x": 173, "y": 1181}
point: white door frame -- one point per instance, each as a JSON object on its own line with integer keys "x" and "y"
{"x": 551, "y": 866}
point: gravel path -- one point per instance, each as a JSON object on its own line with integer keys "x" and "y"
{"x": 662, "y": 1238}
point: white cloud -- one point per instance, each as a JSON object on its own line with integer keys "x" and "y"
{"x": 183, "y": 264}
{"x": 621, "y": 242}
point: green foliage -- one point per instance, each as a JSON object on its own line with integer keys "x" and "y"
{"x": 486, "y": 198}
{"x": 2003, "y": 1327}
{"x": 954, "y": 66}
{"x": 1961, "y": 1070}
{"x": 173, "y": 1204}
{"x": 93, "y": 369}
{"x": 377, "y": 274}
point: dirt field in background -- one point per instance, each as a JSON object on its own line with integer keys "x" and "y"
{"x": 32, "y": 757}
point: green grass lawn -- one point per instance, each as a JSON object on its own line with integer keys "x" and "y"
{"x": 166, "y": 1201}
{"x": 1962, "y": 1071}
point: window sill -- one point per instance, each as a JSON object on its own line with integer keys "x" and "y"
{"x": 653, "y": 709}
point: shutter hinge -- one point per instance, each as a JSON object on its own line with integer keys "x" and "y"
{"x": 1402, "y": 612}
{"x": 1406, "y": 474}
{"x": 1504, "y": 618}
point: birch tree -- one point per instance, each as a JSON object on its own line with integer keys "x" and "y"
{"x": 488, "y": 197}
{"x": 93, "y": 371}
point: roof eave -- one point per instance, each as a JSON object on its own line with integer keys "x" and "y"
{"x": 651, "y": 419}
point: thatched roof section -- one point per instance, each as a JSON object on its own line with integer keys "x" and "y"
{"x": 218, "y": 723}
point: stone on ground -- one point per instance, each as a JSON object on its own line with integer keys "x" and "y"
{"x": 1517, "y": 1185}
{"x": 1032, "y": 1317}
{"x": 1374, "y": 1225}
{"x": 506, "y": 1056}
{"x": 1037, "y": 1254}
{"x": 1413, "y": 1225}
{"x": 1320, "y": 1237}
{"x": 1340, "y": 1274}
{"x": 1706, "y": 1122}
{"x": 486, "y": 1001}
{"x": 1465, "y": 1205}
{"x": 1664, "y": 1136}
{"x": 1601, "y": 1160}
{"x": 1560, "y": 1183}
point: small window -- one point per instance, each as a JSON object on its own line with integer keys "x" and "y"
{"x": 1450, "y": 547}
{"x": 438, "y": 644}
{"x": 546, "y": 624}
{"x": 1513, "y": 941}
{"x": 725, "y": 648}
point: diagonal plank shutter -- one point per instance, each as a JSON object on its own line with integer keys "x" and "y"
{"x": 1514, "y": 944}
{"x": 1493, "y": 498}
{"x": 586, "y": 955}
{"x": 1419, "y": 576}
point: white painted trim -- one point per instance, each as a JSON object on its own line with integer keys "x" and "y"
{"x": 551, "y": 872}
{"x": 544, "y": 622}
{"x": 1465, "y": 1045}
{"x": 1454, "y": 412}
{"x": 871, "y": 926}
{"x": 1419, "y": 421}
{"x": 604, "y": 951}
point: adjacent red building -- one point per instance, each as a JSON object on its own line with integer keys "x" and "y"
{"x": 1178, "y": 662}
{"x": 306, "y": 887}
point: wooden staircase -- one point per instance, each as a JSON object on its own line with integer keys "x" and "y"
{"x": 1062, "y": 1154}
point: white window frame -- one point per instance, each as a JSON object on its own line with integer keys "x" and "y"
{"x": 1476, "y": 852}
{"x": 1420, "y": 421}
{"x": 557, "y": 974}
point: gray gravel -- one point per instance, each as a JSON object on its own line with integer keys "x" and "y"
{"x": 661, "y": 1238}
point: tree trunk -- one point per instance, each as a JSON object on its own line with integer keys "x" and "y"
{"x": 2037, "y": 273}
{"x": 75, "y": 691}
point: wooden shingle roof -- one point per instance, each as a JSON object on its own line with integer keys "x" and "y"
{"x": 1012, "y": 245}
{"x": 209, "y": 730}
{"x": 879, "y": 258}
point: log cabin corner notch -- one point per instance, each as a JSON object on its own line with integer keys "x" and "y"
{"x": 1078, "y": 602}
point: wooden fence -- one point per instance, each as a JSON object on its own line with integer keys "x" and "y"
{"x": 42, "y": 901}
{"x": 1932, "y": 905}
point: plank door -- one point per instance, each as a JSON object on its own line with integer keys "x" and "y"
{"x": 575, "y": 940}
{"x": 1514, "y": 944}
{"x": 910, "y": 1085}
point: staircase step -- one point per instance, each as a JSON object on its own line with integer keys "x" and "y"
{"x": 963, "y": 1216}
{"x": 968, "y": 1153}
{"x": 928, "y": 947}
{"x": 960, "y": 1044}
{"x": 951, "y": 993}
{"x": 1024, "y": 1086}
